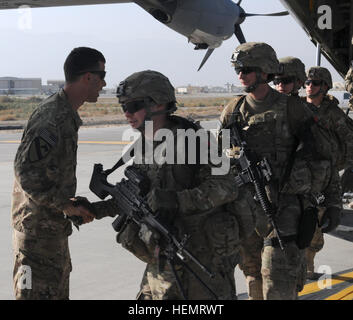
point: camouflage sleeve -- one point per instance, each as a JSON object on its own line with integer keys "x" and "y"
{"x": 45, "y": 167}
{"x": 107, "y": 208}
{"x": 343, "y": 126}
{"x": 213, "y": 191}
{"x": 333, "y": 192}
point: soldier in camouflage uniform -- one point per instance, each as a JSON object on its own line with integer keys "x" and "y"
{"x": 294, "y": 70}
{"x": 289, "y": 82}
{"x": 292, "y": 77}
{"x": 273, "y": 125}
{"x": 347, "y": 177}
{"x": 45, "y": 180}
{"x": 340, "y": 127}
{"x": 186, "y": 196}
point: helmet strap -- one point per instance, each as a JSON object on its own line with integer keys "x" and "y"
{"x": 258, "y": 81}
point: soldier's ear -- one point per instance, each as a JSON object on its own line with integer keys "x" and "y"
{"x": 86, "y": 77}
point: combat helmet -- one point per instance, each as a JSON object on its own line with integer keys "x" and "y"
{"x": 149, "y": 86}
{"x": 320, "y": 73}
{"x": 256, "y": 54}
{"x": 293, "y": 67}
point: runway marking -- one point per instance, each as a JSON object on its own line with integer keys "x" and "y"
{"x": 313, "y": 287}
{"x": 346, "y": 294}
{"x": 80, "y": 142}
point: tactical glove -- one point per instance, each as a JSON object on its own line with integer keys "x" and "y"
{"x": 331, "y": 219}
{"x": 164, "y": 203}
{"x": 84, "y": 202}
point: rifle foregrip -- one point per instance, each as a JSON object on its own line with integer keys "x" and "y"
{"x": 262, "y": 197}
{"x": 119, "y": 222}
{"x": 267, "y": 207}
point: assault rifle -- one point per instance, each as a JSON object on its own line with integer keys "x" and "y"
{"x": 129, "y": 196}
{"x": 254, "y": 170}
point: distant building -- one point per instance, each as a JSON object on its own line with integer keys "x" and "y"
{"x": 181, "y": 90}
{"x": 53, "y": 86}
{"x": 12, "y": 85}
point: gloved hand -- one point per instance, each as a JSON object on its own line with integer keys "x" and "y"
{"x": 331, "y": 219}
{"x": 163, "y": 202}
{"x": 83, "y": 202}
{"x": 78, "y": 211}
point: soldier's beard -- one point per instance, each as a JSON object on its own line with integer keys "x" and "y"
{"x": 251, "y": 88}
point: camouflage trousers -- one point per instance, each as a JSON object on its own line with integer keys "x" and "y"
{"x": 162, "y": 285}
{"x": 317, "y": 243}
{"x": 41, "y": 268}
{"x": 270, "y": 273}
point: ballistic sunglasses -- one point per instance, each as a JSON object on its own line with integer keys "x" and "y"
{"x": 133, "y": 106}
{"x": 284, "y": 81}
{"x": 315, "y": 83}
{"x": 245, "y": 70}
{"x": 101, "y": 73}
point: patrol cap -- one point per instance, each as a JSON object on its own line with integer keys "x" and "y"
{"x": 293, "y": 67}
{"x": 256, "y": 54}
{"x": 146, "y": 84}
{"x": 320, "y": 73}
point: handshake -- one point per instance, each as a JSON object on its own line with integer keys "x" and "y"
{"x": 80, "y": 211}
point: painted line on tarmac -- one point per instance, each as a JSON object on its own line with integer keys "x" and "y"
{"x": 80, "y": 142}
{"x": 335, "y": 287}
{"x": 346, "y": 294}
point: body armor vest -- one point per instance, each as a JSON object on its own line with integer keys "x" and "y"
{"x": 267, "y": 133}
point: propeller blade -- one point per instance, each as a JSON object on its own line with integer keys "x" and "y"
{"x": 276, "y": 14}
{"x": 205, "y": 58}
{"x": 239, "y": 34}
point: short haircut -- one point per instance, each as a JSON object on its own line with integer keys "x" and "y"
{"x": 81, "y": 59}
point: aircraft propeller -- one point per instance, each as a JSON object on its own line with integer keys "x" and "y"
{"x": 237, "y": 29}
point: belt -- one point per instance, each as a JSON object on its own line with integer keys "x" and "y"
{"x": 273, "y": 242}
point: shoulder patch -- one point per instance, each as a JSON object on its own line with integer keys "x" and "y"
{"x": 42, "y": 145}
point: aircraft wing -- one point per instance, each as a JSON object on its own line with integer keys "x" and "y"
{"x": 14, "y": 4}
{"x": 336, "y": 43}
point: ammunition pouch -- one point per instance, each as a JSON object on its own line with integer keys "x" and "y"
{"x": 308, "y": 177}
{"x": 129, "y": 238}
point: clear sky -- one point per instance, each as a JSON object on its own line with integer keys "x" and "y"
{"x": 132, "y": 40}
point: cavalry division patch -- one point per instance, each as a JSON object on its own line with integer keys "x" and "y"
{"x": 41, "y": 145}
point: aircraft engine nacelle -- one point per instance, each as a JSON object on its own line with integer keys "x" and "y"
{"x": 204, "y": 22}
